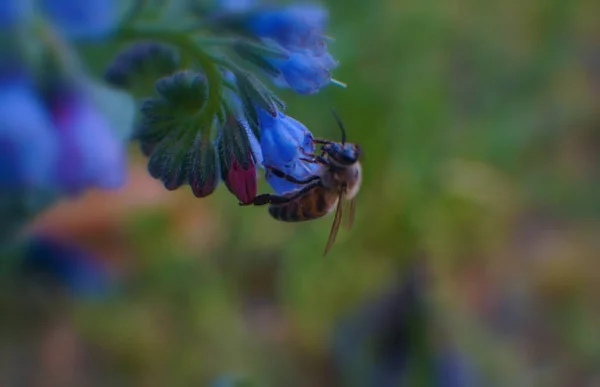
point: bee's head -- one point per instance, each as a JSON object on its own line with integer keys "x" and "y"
{"x": 344, "y": 154}
{"x": 341, "y": 152}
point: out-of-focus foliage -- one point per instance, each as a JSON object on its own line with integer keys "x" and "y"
{"x": 480, "y": 126}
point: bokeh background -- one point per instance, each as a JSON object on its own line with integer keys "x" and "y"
{"x": 474, "y": 259}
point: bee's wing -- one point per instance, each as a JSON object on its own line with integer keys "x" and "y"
{"x": 351, "y": 208}
{"x": 336, "y": 225}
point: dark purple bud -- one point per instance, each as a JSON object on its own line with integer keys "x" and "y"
{"x": 203, "y": 177}
{"x": 241, "y": 181}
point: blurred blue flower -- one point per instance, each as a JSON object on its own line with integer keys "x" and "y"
{"x": 28, "y": 142}
{"x": 299, "y": 30}
{"x": 55, "y": 143}
{"x": 294, "y": 27}
{"x": 454, "y": 370}
{"x": 14, "y": 11}
{"x": 91, "y": 154}
{"x": 305, "y": 74}
{"x": 60, "y": 265}
{"x": 379, "y": 343}
{"x": 233, "y": 6}
{"x": 90, "y": 19}
{"x": 283, "y": 141}
{"x": 295, "y": 31}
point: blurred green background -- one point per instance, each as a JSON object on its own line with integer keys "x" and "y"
{"x": 480, "y": 125}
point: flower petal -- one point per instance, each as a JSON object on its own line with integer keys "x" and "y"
{"x": 305, "y": 74}
{"x": 90, "y": 19}
{"x": 283, "y": 142}
{"x": 294, "y": 27}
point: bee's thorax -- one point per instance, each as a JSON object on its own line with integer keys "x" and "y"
{"x": 347, "y": 178}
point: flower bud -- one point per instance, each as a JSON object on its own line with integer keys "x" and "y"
{"x": 241, "y": 181}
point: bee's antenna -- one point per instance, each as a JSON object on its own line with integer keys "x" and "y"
{"x": 339, "y": 122}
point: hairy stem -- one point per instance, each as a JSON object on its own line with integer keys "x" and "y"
{"x": 211, "y": 71}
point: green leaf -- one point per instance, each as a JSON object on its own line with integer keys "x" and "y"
{"x": 266, "y": 48}
{"x": 253, "y": 91}
{"x": 185, "y": 91}
{"x": 255, "y": 54}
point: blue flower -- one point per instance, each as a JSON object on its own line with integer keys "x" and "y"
{"x": 235, "y": 6}
{"x": 453, "y": 369}
{"x": 91, "y": 155}
{"x": 14, "y": 11}
{"x": 283, "y": 141}
{"x": 56, "y": 142}
{"x": 295, "y": 27}
{"x": 296, "y": 31}
{"x": 61, "y": 265}
{"x": 303, "y": 73}
{"x": 90, "y": 19}
{"x": 28, "y": 142}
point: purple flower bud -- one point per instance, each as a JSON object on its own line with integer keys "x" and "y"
{"x": 91, "y": 154}
{"x": 242, "y": 181}
{"x": 90, "y": 19}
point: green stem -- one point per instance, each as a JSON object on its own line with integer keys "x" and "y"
{"x": 133, "y": 13}
{"x": 184, "y": 42}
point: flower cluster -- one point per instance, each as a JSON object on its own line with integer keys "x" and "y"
{"x": 217, "y": 120}
{"x": 296, "y": 31}
{"x": 205, "y": 113}
{"x": 52, "y": 136}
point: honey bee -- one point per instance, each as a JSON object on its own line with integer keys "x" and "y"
{"x": 338, "y": 179}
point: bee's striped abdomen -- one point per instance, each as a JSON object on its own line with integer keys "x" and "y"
{"x": 313, "y": 205}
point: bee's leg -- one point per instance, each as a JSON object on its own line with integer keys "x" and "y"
{"x": 292, "y": 179}
{"x": 323, "y": 142}
{"x": 263, "y": 199}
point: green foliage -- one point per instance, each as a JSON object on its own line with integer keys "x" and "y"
{"x": 479, "y": 127}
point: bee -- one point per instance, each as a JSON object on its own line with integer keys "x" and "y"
{"x": 337, "y": 180}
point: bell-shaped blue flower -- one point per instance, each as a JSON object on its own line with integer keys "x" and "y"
{"x": 296, "y": 33}
{"x": 28, "y": 145}
{"x": 295, "y": 27}
{"x": 284, "y": 141}
{"x": 91, "y": 155}
{"x": 304, "y": 73}
{"x": 90, "y": 19}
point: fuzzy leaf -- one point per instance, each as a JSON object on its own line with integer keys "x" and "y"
{"x": 266, "y": 48}
{"x": 250, "y": 54}
{"x": 184, "y": 90}
{"x": 251, "y": 90}
{"x": 203, "y": 177}
{"x": 233, "y": 144}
